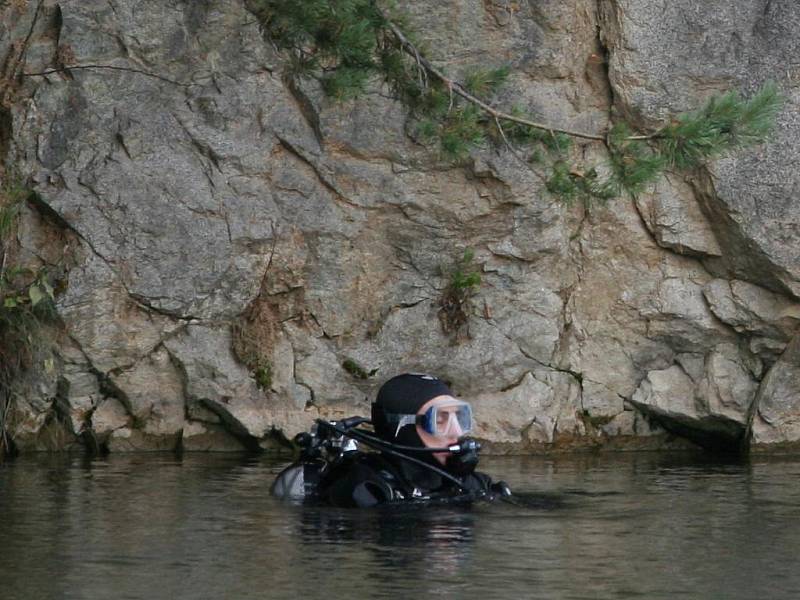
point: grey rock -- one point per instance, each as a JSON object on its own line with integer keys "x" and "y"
{"x": 729, "y": 384}
{"x": 505, "y": 417}
{"x": 112, "y": 329}
{"x": 152, "y": 392}
{"x": 202, "y": 437}
{"x": 714, "y": 411}
{"x": 599, "y": 402}
{"x": 776, "y": 423}
{"x": 668, "y": 58}
{"x": 535, "y": 413}
{"x": 126, "y": 439}
{"x": 213, "y": 378}
{"x": 184, "y": 212}
{"x": 109, "y": 416}
{"x": 754, "y": 310}
{"x": 668, "y": 393}
{"x": 675, "y": 219}
{"x": 177, "y": 204}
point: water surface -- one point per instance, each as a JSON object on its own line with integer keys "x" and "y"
{"x": 204, "y": 526}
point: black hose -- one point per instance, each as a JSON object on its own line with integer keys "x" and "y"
{"x": 350, "y": 424}
{"x": 386, "y": 447}
{"x": 400, "y": 446}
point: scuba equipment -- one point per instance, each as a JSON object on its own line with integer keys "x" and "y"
{"x": 420, "y": 452}
{"x": 439, "y": 420}
{"x": 331, "y": 443}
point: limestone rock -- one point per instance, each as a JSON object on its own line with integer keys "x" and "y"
{"x": 533, "y": 413}
{"x": 112, "y": 329}
{"x": 668, "y": 58}
{"x": 713, "y": 411}
{"x": 776, "y": 424}
{"x": 213, "y": 378}
{"x": 753, "y": 310}
{"x": 126, "y": 439}
{"x": 109, "y": 416}
{"x": 192, "y": 183}
{"x": 198, "y": 437}
{"x": 152, "y": 391}
{"x": 505, "y": 416}
{"x": 180, "y": 239}
{"x": 729, "y": 384}
{"x": 631, "y": 430}
{"x": 675, "y": 219}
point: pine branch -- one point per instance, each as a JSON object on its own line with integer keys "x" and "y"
{"x": 345, "y": 42}
{"x": 725, "y": 123}
{"x": 460, "y": 90}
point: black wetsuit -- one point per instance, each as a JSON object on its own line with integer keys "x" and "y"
{"x": 369, "y": 479}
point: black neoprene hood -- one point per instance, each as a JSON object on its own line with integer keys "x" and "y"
{"x": 404, "y": 395}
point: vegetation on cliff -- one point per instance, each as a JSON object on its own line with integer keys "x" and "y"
{"x": 345, "y": 44}
{"x": 25, "y": 303}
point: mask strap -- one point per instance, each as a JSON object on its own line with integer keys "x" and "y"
{"x": 402, "y": 420}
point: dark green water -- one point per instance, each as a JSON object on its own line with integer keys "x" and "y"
{"x": 604, "y": 526}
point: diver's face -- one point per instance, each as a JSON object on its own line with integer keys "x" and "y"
{"x": 447, "y": 425}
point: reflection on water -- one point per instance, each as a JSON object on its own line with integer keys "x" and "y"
{"x": 600, "y": 526}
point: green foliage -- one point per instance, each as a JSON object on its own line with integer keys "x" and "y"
{"x": 336, "y": 40}
{"x": 460, "y": 131}
{"x": 569, "y": 184}
{"x": 725, "y": 123}
{"x": 26, "y": 304}
{"x": 485, "y": 82}
{"x": 555, "y": 143}
{"x": 356, "y": 370}
{"x": 346, "y": 43}
{"x": 345, "y": 82}
{"x": 456, "y": 302}
{"x": 633, "y": 164}
{"x": 464, "y": 278}
{"x": 562, "y": 183}
{"x": 263, "y": 376}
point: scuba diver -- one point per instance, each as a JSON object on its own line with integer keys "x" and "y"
{"x": 420, "y": 452}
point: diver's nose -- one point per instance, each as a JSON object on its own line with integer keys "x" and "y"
{"x": 455, "y": 427}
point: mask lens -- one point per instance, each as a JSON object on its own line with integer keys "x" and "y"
{"x": 449, "y": 419}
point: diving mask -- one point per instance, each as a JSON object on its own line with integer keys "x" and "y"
{"x": 448, "y": 418}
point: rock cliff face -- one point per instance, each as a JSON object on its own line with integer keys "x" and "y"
{"x": 229, "y": 240}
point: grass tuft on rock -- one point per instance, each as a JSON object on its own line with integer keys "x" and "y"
{"x": 455, "y": 305}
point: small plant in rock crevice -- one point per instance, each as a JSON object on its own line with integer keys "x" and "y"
{"x": 253, "y": 340}
{"x": 455, "y": 304}
{"x": 356, "y": 370}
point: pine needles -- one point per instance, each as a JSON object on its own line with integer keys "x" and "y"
{"x": 334, "y": 40}
{"x": 725, "y": 123}
{"x": 347, "y": 43}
